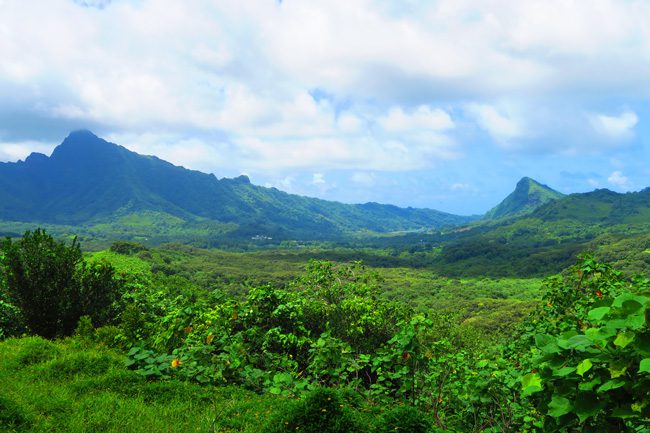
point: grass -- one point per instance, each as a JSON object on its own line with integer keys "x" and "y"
{"x": 67, "y": 387}
{"x": 74, "y": 386}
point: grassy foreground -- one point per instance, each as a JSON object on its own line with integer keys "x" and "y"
{"x": 72, "y": 386}
{"x": 65, "y": 387}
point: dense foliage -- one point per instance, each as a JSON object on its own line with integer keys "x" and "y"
{"x": 52, "y": 286}
{"x": 330, "y": 352}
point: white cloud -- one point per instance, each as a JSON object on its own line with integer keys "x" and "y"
{"x": 615, "y": 127}
{"x": 318, "y": 179}
{"x": 500, "y": 124}
{"x": 421, "y": 118}
{"x": 397, "y": 76}
{"x": 14, "y": 151}
{"x": 462, "y": 187}
{"x": 619, "y": 180}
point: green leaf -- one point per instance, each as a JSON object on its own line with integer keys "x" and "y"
{"x": 624, "y": 338}
{"x": 546, "y": 343}
{"x": 587, "y": 405}
{"x": 530, "y": 384}
{"x": 564, "y": 371}
{"x": 629, "y": 302}
{"x": 598, "y": 313}
{"x": 617, "y": 368}
{"x": 644, "y": 366}
{"x": 588, "y": 386}
{"x": 584, "y": 367}
{"x": 559, "y": 406}
{"x": 599, "y": 334}
{"x": 611, "y": 384}
{"x": 578, "y": 342}
{"x": 635, "y": 321}
{"x": 624, "y": 413}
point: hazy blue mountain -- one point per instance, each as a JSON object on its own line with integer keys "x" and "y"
{"x": 527, "y": 196}
{"x": 88, "y": 180}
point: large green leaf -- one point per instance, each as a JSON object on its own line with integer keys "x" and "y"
{"x": 588, "y": 386}
{"x": 617, "y": 368}
{"x": 564, "y": 371}
{"x": 624, "y": 338}
{"x": 530, "y": 384}
{"x": 598, "y": 313}
{"x": 635, "y": 321}
{"x": 611, "y": 384}
{"x": 559, "y": 406}
{"x": 584, "y": 367}
{"x": 644, "y": 366}
{"x": 546, "y": 343}
{"x": 577, "y": 342}
{"x": 629, "y": 302}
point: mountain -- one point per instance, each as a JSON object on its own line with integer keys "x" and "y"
{"x": 527, "y": 196}
{"x": 546, "y": 240}
{"x": 89, "y": 181}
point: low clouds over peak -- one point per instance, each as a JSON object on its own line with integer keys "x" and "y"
{"x": 370, "y": 86}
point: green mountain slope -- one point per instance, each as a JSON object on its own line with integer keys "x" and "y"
{"x": 527, "y": 196}
{"x": 89, "y": 181}
{"x": 548, "y": 238}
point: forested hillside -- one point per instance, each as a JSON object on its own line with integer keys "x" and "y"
{"x": 107, "y": 189}
{"x": 326, "y": 350}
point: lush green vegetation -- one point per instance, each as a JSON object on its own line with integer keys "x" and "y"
{"x": 336, "y": 347}
{"x": 527, "y": 196}
{"x": 119, "y": 194}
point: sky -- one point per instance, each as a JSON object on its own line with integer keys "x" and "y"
{"x": 443, "y": 104}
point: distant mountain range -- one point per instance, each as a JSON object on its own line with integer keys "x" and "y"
{"x": 89, "y": 181}
{"x": 101, "y": 190}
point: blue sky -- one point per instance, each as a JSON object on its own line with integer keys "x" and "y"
{"x": 443, "y": 104}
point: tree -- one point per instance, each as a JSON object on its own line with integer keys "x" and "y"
{"x": 52, "y": 285}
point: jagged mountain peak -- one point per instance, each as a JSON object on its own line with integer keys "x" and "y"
{"x": 88, "y": 180}
{"x": 527, "y": 196}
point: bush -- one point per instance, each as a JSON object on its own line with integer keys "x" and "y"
{"x": 404, "y": 419}
{"x": 53, "y": 287}
{"x": 321, "y": 411}
{"x": 127, "y": 248}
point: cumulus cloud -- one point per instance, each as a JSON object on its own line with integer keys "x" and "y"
{"x": 500, "y": 124}
{"x": 99, "y": 4}
{"x": 421, "y": 118}
{"x": 617, "y": 179}
{"x": 318, "y": 179}
{"x": 14, "y": 151}
{"x": 615, "y": 127}
{"x": 364, "y": 86}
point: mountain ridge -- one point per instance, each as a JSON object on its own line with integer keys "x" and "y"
{"x": 87, "y": 179}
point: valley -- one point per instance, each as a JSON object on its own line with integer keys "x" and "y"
{"x": 206, "y": 304}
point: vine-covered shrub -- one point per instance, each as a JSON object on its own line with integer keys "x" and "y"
{"x": 591, "y": 360}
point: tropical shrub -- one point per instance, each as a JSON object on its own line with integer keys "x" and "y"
{"x": 53, "y": 287}
{"x": 592, "y": 359}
